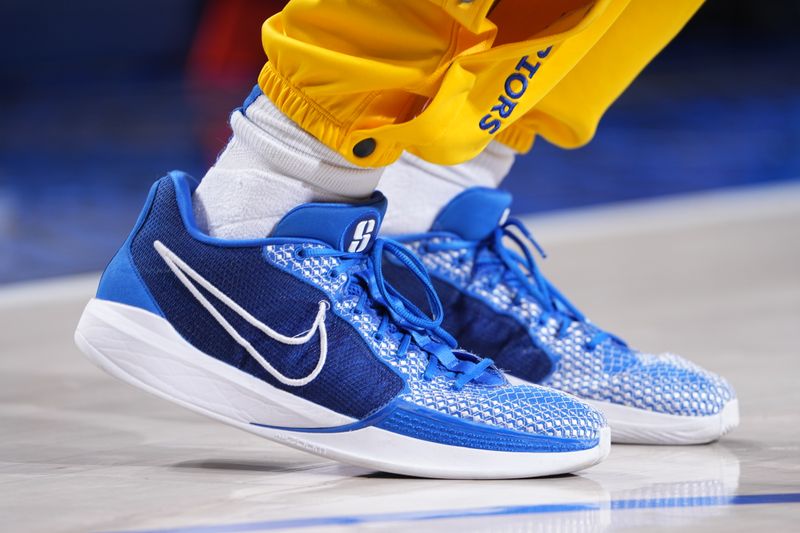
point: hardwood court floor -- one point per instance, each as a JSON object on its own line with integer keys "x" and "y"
{"x": 715, "y": 277}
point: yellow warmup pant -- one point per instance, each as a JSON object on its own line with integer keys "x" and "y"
{"x": 442, "y": 79}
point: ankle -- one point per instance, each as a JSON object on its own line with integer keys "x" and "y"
{"x": 270, "y": 166}
{"x": 417, "y": 190}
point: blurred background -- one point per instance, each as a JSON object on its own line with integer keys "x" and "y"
{"x": 98, "y": 99}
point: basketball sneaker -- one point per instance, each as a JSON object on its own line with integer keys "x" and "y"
{"x": 498, "y": 303}
{"x": 299, "y": 338}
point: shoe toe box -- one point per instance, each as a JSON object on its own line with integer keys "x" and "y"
{"x": 670, "y": 384}
{"x": 545, "y": 411}
{"x": 559, "y": 419}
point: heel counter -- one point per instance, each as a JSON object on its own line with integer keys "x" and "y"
{"x": 121, "y": 281}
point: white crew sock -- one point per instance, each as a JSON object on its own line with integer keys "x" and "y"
{"x": 270, "y": 166}
{"x": 417, "y": 190}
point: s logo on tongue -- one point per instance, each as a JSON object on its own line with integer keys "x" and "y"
{"x": 362, "y": 234}
{"x": 504, "y": 216}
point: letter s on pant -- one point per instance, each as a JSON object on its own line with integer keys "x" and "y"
{"x": 489, "y": 123}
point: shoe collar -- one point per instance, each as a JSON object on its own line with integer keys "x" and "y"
{"x": 474, "y": 214}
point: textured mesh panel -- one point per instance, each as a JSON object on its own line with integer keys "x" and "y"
{"x": 611, "y": 372}
{"x": 277, "y": 298}
{"x": 455, "y": 432}
{"x": 532, "y": 409}
{"x": 529, "y": 408}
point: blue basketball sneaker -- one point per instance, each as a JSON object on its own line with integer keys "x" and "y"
{"x": 497, "y": 303}
{"x": 299, "y": 338}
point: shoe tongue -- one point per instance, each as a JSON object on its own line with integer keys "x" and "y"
{"x": 346, "y": 227}
{"x": 474, "y": 213}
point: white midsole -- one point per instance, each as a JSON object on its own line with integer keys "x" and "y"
{"x": 144, "y": 350}
{"x": 632, "y": 425}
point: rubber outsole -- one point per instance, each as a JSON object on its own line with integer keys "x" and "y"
{"x": 631, "y": 425}
{"x": 143, "y": 349}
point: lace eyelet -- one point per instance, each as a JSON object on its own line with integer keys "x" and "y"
{"x": 378, "y": 337}
{"x": 299, "y": 253}
{"x": 333, "y": 274}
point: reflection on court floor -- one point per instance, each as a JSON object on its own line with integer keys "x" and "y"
{"x": 714, "y": 277}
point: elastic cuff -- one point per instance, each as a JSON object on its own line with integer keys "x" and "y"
{"x": 301, "y": 110}
{"x": 519, "y": 137}
{"x": 356, "y": 147}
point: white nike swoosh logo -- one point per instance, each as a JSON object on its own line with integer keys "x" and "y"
{"x": 183, "y": 272}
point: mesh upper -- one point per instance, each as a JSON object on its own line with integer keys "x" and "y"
{"x": 363, "y": 376}
{"x": 276, "y": 297}
{"x": 611, "y": 372}
{"x": 531, "y": 409}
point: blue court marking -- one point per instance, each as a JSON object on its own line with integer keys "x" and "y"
{"x": 614, "y": 505}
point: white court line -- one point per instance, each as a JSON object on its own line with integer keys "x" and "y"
{"x": 609, "y": 220}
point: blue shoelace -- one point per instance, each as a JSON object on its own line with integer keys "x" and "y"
{"x": 522, "y": 273}
{"x": 397, "y": 313}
